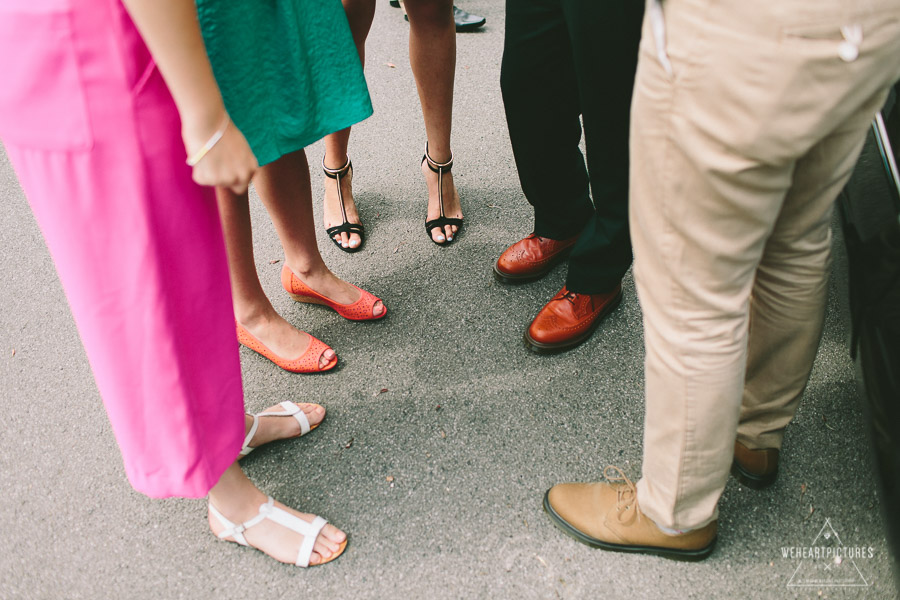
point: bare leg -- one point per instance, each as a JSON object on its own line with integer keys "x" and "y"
{"x": 252, "y": 308}
{"x": 432, "y": 56}
{"x": 359, "y": 14}
{"x": 284, "y": 188}
{"x": 239, "y": 500}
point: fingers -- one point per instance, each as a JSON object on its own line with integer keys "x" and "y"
{"x": 229, "y": 164}
{"x": 240, "y": 188}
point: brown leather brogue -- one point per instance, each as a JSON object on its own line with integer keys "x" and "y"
{"x": 531, "y": 258}
{"x": 569, "y": 319}
{"x": 608, "y": 516}
{"x": 756, "y": 469}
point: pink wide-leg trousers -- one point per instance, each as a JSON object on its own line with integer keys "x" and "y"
{"x": 94, "y": 137}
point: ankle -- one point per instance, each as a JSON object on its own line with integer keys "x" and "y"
{"x": 670, "y": 530}
{"x": 335, "y": 161}
{"x": 234, "y": 494}
{"x": 439, "y": 154}
{"x": 308, "y": 269}
{"x": 254, "y": 315}
{"x": 240, "y": 506}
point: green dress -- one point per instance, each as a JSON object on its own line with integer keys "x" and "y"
{"x": 288, "y": 70}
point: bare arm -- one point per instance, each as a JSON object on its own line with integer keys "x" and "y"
{"x": 172, "y": 33}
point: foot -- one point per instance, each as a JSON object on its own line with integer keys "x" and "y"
{"x": 466, "y": 21}
{"x": 324, "y": 282}
{"x": 276, "y": 540}
{"x": 332, "y": 209}
{"x": 757, "y": 469}
{"x": 452, "y": 207}
{"x": 282, "y": 338}
{"x": 280, "y": 428}
{"x": 608, "y": 515}
{"x": 531, "y": 258}
{"x": 569, "y": 319}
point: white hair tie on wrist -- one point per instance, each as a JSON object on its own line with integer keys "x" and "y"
{"x": 212, "y": 141}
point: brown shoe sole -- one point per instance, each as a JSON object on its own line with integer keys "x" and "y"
{"x": 752, "y": 480}
{"x": 542, "y": 348}
{"x": 535, "y": 275}
{"x": 672, "y": 553}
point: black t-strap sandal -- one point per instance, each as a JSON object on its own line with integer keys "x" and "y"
{"x": 442, "y": 221}
{"x": 345, "y": 227}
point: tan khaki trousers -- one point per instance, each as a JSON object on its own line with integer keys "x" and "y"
{"x": 745, "y": 126}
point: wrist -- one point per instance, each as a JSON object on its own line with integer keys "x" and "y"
{"x": 199, "y": 126}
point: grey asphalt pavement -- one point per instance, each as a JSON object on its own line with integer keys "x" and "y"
{"x": 442, "y": 433}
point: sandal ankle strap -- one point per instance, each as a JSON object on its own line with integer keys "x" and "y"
{"x": 246, "y": 448}
{"x": 237, "y": 531}
{"x": 435, "y": 165}
{"x": 339, "y": 172}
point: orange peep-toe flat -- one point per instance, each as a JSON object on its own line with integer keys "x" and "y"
{"x": 361, "y": 310}
{"x": 307, "y": 363}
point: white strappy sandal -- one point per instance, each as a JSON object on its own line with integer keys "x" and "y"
{"x": 291, "y": 409}
{"x": 309, "y": 531}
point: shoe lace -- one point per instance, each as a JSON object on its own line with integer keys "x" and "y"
{"x": 625, "y": 490}
{"x": 568, "y": 295}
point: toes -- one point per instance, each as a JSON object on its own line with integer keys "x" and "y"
{"x": 333, "y": 535}
{"x": 377, "y": 308}
{"x": 324, "y": 548}
{"x": 345, "y": 241}
{"x": 449, "y": 230}
{"x": 326, "y": 358}
{"x": 315, "y": 413}
{"x": 437, "y": 234}
{"x": 354, "y": 240}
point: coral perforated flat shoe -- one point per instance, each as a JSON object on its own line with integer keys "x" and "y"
{"x": 308, "y": 362}
{"x": 361, "y": 310}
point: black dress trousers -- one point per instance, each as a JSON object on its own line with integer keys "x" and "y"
{"x": 565, "y": 59}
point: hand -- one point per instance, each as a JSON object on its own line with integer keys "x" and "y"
{"x": 229, "y": 163}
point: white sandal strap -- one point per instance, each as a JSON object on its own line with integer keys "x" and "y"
{"x": 291, "y": 409}
{"x": 298, "y": 414}
{"x": 309, "y": 531}
{"x": 237, "y": 531}
{"x": 246, "y": 448}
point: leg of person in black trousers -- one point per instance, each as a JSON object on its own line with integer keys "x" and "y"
{"x": 565, "y": 59}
